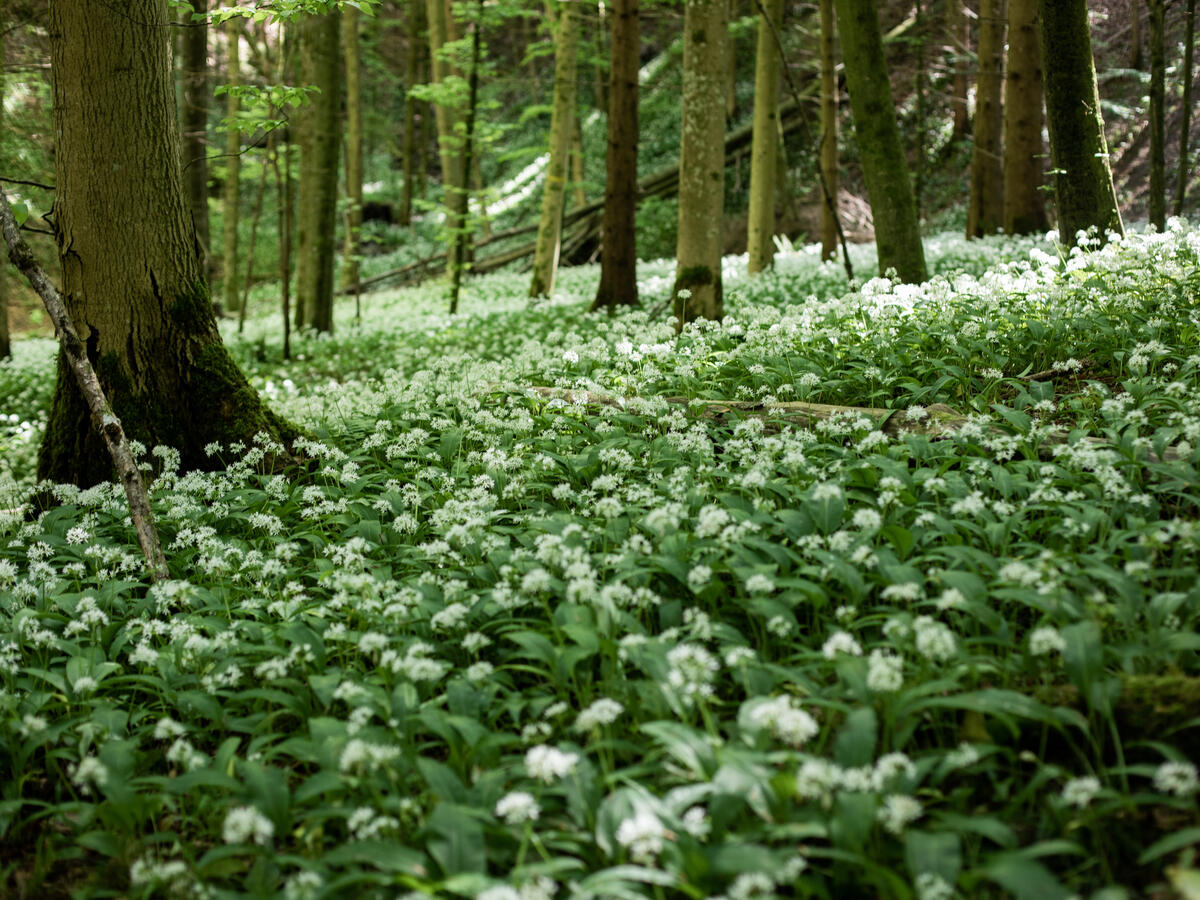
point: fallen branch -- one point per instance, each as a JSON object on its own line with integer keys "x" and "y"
{"x": 103, "y": 419}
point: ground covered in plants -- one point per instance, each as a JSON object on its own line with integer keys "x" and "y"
{"x": 614, "y": 637}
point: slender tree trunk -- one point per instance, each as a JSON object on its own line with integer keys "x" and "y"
{"x": 1185, "y": 117}
{"x": 5, "y": 341}
{"x": 319, "y": 148}
{"x": 760, "y": 230}
{"x": 598, "y": 75}
{"x": 1158, "y": 131}
{"x": 454, "y": 176}
{"x": 731, "y": 61}
{"x": 462, "y": 235}
{"x": 549, "y": 239}
{"x": 1083, "y": 185}
{"x": 618, "y": 254}
{"x": 144, "y": 313}
{"x": 416, "y": 16}
{"x": 920, "y": 89}
{"x": 1135, "y": 34}
{"x": 255, "y": 218}
{"x": 578, "y": 194}
{"x": 829, "y": 133}
{"x": 698, "y": 291}
{"x": 1024, "y": 210}
{"x": 985, "y": 214}
{"x": 354, "y": 146}
{"x": 283, "y": 187}
{"x": 233, "y": 167}
{"x": 897, "y": 229}
{"x": 958, "y": 39}
{"x": 194, "y": 121}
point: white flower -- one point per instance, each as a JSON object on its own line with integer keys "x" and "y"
{"x": 1046, "y": 640}
{"x": 891, "y": 766}
{"x": 1176, "y": 778}
{"x": 1079, "y": 792}
{"x": 787, "y": 722}
{"x": 244, "y": 824}
{"x": 517, "y": 807}
{"x": 699, "y": 576}
{"x": 935, "y": 641}
{"x": 759, "y": 584}
{"x": 841, "y": 642}
{"x": 867, "y": 520}
{"x": 548, "y": 764}
{"x": 696, "y": 823}
{"x": 602, "y": 712}
{"x": 931, "y": 886}
{"x": 642, "y": 835}
{"x": 898, "y": 812}
{"x": 692, "y": 671}
{"x": 89, "y": 772}
{"x": 885, "y": 672}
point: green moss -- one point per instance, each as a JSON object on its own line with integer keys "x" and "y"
{"x": 192, "y": 309}
{"x": 693, "y": 277}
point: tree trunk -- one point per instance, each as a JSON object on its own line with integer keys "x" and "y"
{"x": 618, "y": 254}
{"x": 454, "y": 177}
{"x": 1158, "y": 133}
{"x": 829, "y": 133}
{"x": 133, "y": 276}
{"x": 320, "y": 144}
{"x": 463, "y": 251}
{"x": 1083, "y": 185}
{"x": 1024, "y": 210}
{"x": 578, "y": 193}
{"x": 760, "y": 229}
{"x": 233, "y": 168}
{"x": 549, "y": 239}
{"x": 354, "y": 146}
{"x": 958, "y": 39}
{"x": 985, "y": 214}
{"x": 5, "y": 343}
{"x": 897, "y": 230}
{"x": 1185, "y": 118}
{"x": 416, "y": 15}
{"x": 1135, "y": 34}
{"x": 194, "y": 121}
{"x": 698, "y": 291}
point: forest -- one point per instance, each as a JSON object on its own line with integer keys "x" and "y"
{"x": 520, "y": 450}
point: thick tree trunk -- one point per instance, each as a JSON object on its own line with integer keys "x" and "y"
{"x": 549, "y": 239}
{"x": 985, "y": 214}
{"x": 958, "y": 41}
{"x": 133, "y": 278}
{"x": 897, "y": 229}
{"x": 1024, "y": 210}
{"x": 698, "y": 289}
{"x": 1185, "y": 118}
{"x": 1157, "y": 206}
{"x": 1083, "y": 185}
{"x": 320, "y": 143}
{"x": 760, "y": 225}
{"x": 416, "y": 18}
{"x": 829, "y": 133}
{"x": 618, "y": 254}
{"x": 194, "y": 122}
{"x": 233, "y": 168}
{"x": 354, "y": 146}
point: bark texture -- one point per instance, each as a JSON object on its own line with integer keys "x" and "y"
{"x": 454, "y": 175}
{"x": 562, "y": 117}
{"x": 958, "y": 41}
{"x": 133, "y": 279}
{"x": 760, "y": 225}
{"x": 233, "y": 168}
{"x": 1158, "y": 132}
{"x": 194, "y": 122}
{"x": 893, "y": 208}
{"x": 354, "y": 145}
{"x": 618, "y": 254}
{"x": 1024, "y": 209}
{"x": 985, "y": 214}
{"x": 5, "y": 347}
{"x": 1083, "y": 185}
{"x": 698, "y": 290}
{"x": 416, "y": 24}
{"x": 320, "y": 144}
{"x": 1185, "y": 123}
{"x": 829, "y": 132}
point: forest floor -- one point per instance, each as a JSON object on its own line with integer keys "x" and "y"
{"x": 870, "y": 590}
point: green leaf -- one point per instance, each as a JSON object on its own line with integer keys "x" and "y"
{"x": 855, "y": 745}
{"x": 939, "y": 852}
{"x": 459, "y": 845}
{"x": 1172, "y": 842}
{"x": 1024, "y": 878}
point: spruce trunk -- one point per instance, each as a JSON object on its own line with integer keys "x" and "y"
{"x": 194, "y": 122}
{"x": 5, "y": 344}
{"x": 416, "y": 17}
{"x": 1157, "y": 207}
{"x": 829, "y": 133}
{"x": 133, "y": 276}
{"x": 354, "y": 146}
{"x": 1083, "y": 185}
{"x": 1185, "y": 118}
{"x": 618, "y": 254}
{"x": 893, "y": 208}
{"x": 233, "y": 168}
{"x": 958, "y": 40}
{"x": 985, "y": 214}
{"x": 454, "y": 177}
{"x": 549, "y": 236}
{"x": 761, "y": 218}
{"x": 698, "y": 291}
{"x": 1024, "y": 210}
{"x": 320, "y": 144}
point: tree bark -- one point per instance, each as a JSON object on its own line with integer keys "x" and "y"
{"x": 897, "y": 229}
{"x": 233, "y": 168}
{"x": 416, "y": 16}
{"x": 5, "y": 341}
{"x": 354, "y": 146}
{"x": 1185, "y": 117}
{"x": 549, "y": 240}
{"x": 1135, "y": 34}
{"x": 462, "y": 236}
{"x": 985, "y": 214}
{"x": 454, "y": 176}
{"x": 829, "y": 132}
{"x": 320, "y": 144}
{"x": 1157, "y": 206}
{"x": 143, "y": 313}
{"x": 578, "y": 192}
{"x": 760, "y": 225}
{"x": 618, "y": 254}
{"x": 194, "y": 121}
{"x": 1083, "y": 185}
{"x": 1024, "y": 210}
{"x": 958, "y": 40}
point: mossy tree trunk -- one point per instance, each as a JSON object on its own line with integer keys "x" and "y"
{"x": 320, "y": 144}
{"x": 562, "y": 117}
{"x": 416, "y": 20}
{"x": 1158, "y": 132}
{"x": 1024, "y": 209}
{"x": 194, "y": 121}
{"x": 760, "y": 225}
{"x": 893, "y": 208}
{"x": 618, "y": 254}
{"x": 958, "y": 41}
{"x": 1083, "y": 185}
{"x": 133, "y": 275}
{"x": 354, "y": 145}
{"x": 829, "y": 132}
{"x": 233, "y": 167}
{"x": 698, "y": 291}
{"x": 985, "y": 213}
{"x": 1185, "y": 118}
